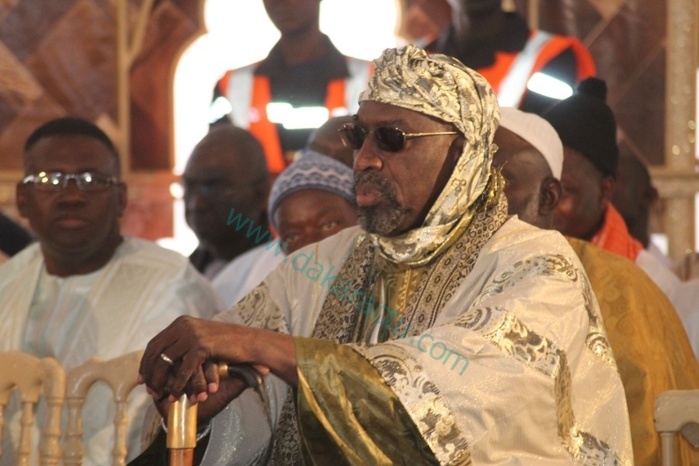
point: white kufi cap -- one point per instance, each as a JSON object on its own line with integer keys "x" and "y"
{"x": 537, "y": 132}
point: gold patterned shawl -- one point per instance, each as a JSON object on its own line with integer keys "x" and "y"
{"x": 441, "y": 87}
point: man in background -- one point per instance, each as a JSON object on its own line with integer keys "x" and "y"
{"x": 587, "y": 128}
{"x": 84, "y": 290}
{"x": 303, "y": 69}
{"x": 634, "y": 197}
{"x": 513, "y": 58}
{"x": 650, "y": 346}
{"x": 310, "y": 200}
{"x": 225, "y": 171}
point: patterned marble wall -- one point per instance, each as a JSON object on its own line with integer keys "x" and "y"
{"x": 50, "y": 67}
{"x": 58, "y": 57}
{"x": 626, "y": 38}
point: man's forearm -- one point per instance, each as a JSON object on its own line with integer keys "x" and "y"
{"x": 278, "y": 353}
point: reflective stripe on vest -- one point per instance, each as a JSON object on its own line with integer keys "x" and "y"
{"x": 263, "y": 129}
{"x": 583, "y": 60}
{"x": 513, "y": 85}
{"x": 249, "y": 95}
{"x": 541, "y": 48}
{"x": 238, "y": 91}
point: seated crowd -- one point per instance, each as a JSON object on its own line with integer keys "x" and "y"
{"x": 433, "y": 279}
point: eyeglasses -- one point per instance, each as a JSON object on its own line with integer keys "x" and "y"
{"x": 57, "y": 181}
{"x": 387, "y": 139}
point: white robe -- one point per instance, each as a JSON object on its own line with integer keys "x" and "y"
{"x": 684, "y": 295}
{"x": 244, "y": 273}
{"x": 105, "y": 314}
{"x": 541, "y": 386}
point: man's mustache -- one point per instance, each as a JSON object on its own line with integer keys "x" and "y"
{"x": 375, "y": 181}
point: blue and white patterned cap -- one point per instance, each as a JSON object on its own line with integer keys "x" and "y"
{"x": 311, "y": 170}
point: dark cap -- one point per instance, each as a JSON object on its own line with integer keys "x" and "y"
{"x": 585, "y": 123}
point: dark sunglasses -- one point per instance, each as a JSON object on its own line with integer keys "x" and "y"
{"x": 387, "y": 139}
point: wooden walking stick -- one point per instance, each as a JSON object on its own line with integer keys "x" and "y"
{"x": 182, "y": 432}
{"x": 182, "y": 417}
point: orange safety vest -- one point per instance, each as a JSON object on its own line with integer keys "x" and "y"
{"x": 249, "y": 95}
{"x": 513, "y": 69}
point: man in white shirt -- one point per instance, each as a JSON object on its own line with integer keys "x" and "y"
{"x": 225, "y": 170}
{"x": 84, "y": 290}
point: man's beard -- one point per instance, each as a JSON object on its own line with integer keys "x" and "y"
{"x": 384, "y": 219}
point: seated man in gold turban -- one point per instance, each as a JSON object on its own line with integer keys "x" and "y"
{"x": 440, "y": 331}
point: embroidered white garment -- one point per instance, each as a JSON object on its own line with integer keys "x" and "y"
{"x": 110, "y": 312}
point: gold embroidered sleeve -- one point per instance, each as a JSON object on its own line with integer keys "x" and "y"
{"x": 347, "y": 414}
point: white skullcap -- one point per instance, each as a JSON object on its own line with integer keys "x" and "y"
{"x": 537, "y": 132}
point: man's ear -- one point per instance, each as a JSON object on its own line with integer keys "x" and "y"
{"x": 21, "y": 200}
{"x": 551, "y": 192}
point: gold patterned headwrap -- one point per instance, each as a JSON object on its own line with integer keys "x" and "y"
{"x": 442, "y": 87}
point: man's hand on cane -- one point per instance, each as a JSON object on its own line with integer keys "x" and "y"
{"x": 229, "y": 389}
{"x": 182, "y": 359}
